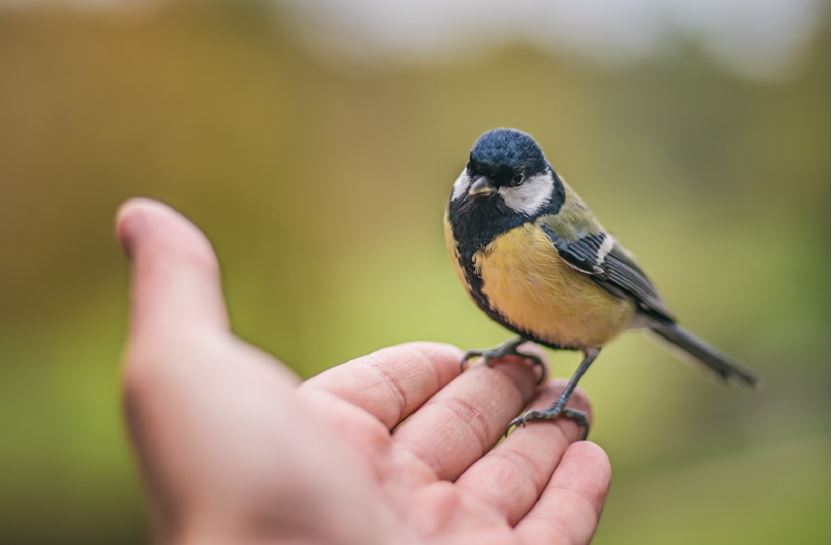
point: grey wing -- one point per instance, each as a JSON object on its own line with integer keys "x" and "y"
{"x": 620, "y": 269}
{"x": 601, "y": 257}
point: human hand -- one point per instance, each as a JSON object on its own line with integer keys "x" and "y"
{"x": 396, "y": 447}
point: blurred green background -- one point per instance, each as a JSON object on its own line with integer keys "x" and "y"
{"x": 321, "y": 181}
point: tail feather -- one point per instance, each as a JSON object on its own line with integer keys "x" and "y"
{"x": 705, "y": 354}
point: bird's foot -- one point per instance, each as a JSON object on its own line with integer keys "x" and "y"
{"x": 510, "y": 348}
{"x": 552, "y": 413}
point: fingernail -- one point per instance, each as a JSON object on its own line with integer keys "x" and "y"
{"x": 127, "y": 228}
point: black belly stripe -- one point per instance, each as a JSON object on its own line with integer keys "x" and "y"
{"x": 475, "y": 284}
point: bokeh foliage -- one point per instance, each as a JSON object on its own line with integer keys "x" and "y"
{"x": 321, "y": 183}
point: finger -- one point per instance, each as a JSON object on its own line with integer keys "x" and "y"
{"x": 465, "y": 419}
{"x": 175, "y": 276}
{"x": 393, "y": 382}
{"x": 513, "y": 475}
{"x": 570, "y": 506}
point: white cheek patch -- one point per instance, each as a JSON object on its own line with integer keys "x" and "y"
{"x": 459, "y": 188}
{"x": 531, "y": 196}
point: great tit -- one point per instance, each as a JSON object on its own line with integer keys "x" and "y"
{"x": 534, "y": 258}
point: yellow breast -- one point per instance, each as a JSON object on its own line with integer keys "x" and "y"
{"x": 526, "y": 281}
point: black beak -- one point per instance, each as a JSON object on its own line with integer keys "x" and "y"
{"x": 482, "y": 187}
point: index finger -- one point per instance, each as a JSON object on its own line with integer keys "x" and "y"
{"x": 393, "y": 382}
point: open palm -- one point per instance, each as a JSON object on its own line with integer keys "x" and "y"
{"x": 397, "y": 447}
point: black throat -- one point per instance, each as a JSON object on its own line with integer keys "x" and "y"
{"x": 477, "y": 222}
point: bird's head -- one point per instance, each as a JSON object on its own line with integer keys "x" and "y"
{"x": 507, "y": 174}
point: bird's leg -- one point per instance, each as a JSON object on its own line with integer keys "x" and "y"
{"x": 558, "y": 408}
{"x": 510, "y": 348}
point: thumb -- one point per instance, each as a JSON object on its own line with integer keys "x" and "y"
{"x": 175, "y": 276}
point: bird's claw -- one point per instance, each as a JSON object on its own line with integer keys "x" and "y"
{"x": 579, "y": 417}
{"x": 491, "y": 355}
{"x": 470, "y": 354}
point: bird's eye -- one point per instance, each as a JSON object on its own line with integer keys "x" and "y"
{"x": 517, "y": 179}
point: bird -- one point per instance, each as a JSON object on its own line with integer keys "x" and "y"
{"x": 535, "y": 259}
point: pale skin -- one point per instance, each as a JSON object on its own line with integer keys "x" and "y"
{"x": 397, "y": 447}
